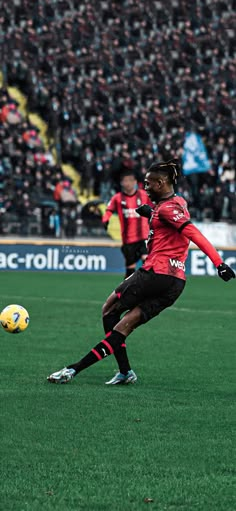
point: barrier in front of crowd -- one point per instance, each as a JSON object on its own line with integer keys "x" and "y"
{"x": 85, "y": 257}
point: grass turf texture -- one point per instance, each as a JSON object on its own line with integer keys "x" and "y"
{"x": 85, "y": 446}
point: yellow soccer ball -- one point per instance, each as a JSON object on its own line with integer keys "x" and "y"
{"x": 14, "y": 319}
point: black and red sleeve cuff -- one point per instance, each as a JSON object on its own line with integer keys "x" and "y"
{"x": 184, "y": 225}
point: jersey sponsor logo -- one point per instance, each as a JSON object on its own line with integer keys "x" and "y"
{"x": 130, "y": 213}
{"x": 177, "y": 264}
{"x": 178, "y": 217}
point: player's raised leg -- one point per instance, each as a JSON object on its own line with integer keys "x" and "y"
{"x": 102, "y": 350}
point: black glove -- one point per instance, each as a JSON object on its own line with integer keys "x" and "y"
{"x": 144, "y": 210}
{"x": 225, "y": 272}
{"x": 105, "y": 225}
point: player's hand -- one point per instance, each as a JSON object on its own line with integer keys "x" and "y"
{"x": 225, "y": 272}
{"x": 105, "y": 225}
{"x": 144, "y": 210}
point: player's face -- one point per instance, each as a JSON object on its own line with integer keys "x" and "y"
{"x": 129, "y": 184}
{"x": 153, "y": 185}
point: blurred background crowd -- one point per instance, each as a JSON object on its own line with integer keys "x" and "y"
{"x": 119, "y": 83}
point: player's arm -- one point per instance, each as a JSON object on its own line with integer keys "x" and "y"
{"x": 177, "y": 216}
{"x": 111, "y": 208}
{"x": 193, "y": 234}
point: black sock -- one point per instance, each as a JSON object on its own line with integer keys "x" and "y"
{"x": 122, "y": 359}
{"x": 120, "y": 354}
{"x": 103, "y": 349}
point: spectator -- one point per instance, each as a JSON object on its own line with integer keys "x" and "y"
{"x": 70, "y": 221}
{"x": 67, "y": 196}
{"x": 218, "y": 203}
{"x": 54, "y": 223}
{"x": 24, "y": 210}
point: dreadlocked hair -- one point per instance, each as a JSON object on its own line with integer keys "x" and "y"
{"x": 170, "y": 168}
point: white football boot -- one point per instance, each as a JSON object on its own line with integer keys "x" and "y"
{"x": 62, "y": 376}
{"x": 120, "y": 378}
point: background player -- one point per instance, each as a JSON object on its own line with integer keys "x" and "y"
{"x": 134, "y": 229}
{"x": 159, "y": 282}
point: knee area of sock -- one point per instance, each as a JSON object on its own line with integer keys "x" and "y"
{"x": 116, "y": 339}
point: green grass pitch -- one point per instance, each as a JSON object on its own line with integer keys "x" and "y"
{"x": 164, "y": 444}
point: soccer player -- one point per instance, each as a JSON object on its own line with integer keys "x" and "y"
{"x": 158, "y": 283}
{"x": 134, "y": 228}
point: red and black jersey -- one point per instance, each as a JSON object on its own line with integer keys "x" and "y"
{"x": 133, "y": 227}
{"x": 169, "y": 236}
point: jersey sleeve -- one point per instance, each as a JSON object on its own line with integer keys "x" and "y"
{"x": 174, "y": 214}
{"x": 193, "y": 234}
{"x": 111, "y": 208}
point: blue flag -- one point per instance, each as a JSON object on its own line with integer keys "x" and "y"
{"x": 195, "y": 157}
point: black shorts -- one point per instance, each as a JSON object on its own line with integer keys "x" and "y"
{"x": 132, "y": 252}
{"x": 152, "y": 292}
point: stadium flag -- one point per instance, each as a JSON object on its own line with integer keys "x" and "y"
{"x": 195, "y": 157}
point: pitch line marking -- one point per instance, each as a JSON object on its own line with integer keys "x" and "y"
{"x": 99, "y": 302}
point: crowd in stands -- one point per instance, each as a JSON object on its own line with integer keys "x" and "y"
{"x": 119, "y": 84}
{"x": 34, "y": 192}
